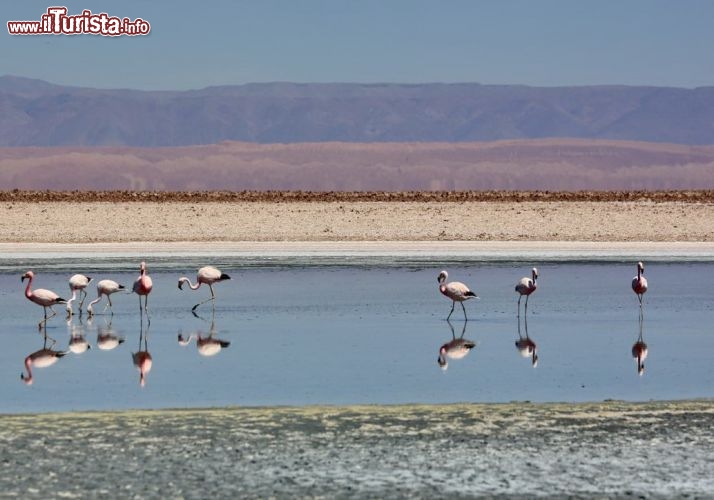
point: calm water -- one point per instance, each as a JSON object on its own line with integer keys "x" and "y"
{"x": 313, "y": 334}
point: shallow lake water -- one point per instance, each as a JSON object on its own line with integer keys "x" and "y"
{"x": 364, "y": 333}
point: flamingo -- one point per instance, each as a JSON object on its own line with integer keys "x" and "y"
{"x": 42, "y": 297}
{"x": 142, "y": 286}
{"x": 206, "y": 275}
{"x": 40, "y": 359}
{"x": 455, "y": 348}
{"x": 105, "y": 287}
{"x": 526, "y": 286}
{"x": 456, "y": 291}
{"x": 639, "y": 282}
{"x": 77, "y": 283}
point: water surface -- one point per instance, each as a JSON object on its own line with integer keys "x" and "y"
{"x": 309, "y": 333}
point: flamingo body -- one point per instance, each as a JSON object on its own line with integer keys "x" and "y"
{"x": 77, "y": 283}
{"x": 142, "y": 286}
{"x": 526, "y": 286}
{"x": 456, "y": 291}
{"x": 105, "y": 287}
{"x": 40, "y": 296}
{"x": 207, "y": 275}
{"x": 639, "y": 282}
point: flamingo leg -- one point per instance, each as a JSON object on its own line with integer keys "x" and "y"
{"x": 527, "y": 304}
{"x": 519, "y": 305}
{"x": 212, "y": 297}
{"x": 464, "y": 308}
{"x": 453, "y": 304}
{"x": 82, "y": 296}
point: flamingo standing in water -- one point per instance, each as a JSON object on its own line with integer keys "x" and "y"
{"x": 105, "y": 287}
{"x": 142, "y": 286}
{"x": 639, "y": 282}
{"x": 40, "y": 359}
{"x": 42, "y": 297}
{"x": 456, "y": 291}
{"x": 206, "y": 275}
{"x": 526, "y": 286}
{"x": 77, "y": 283}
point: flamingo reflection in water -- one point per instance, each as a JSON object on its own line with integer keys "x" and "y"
{"x": 639, "y": 350}
{"x": 41, "y": 359}
{"x": 142, "y": 358}
{"x": 107, "y": 339}
{"x": 456, "y": 348}
{"x": 525, "y": 345}
{"x": 78, "y": 343}
{"x": 208, "y": 345}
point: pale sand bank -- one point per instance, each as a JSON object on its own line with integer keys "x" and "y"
{"x": 90, "y": 222}
{"x": 407, "y": 250}
{"x": 602, "y": 450}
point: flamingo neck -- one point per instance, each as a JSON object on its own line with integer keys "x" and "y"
{"x": 192, "y": 286}
{"x": 28, "y": 291}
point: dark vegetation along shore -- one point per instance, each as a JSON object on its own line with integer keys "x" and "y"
{"x": 30, "y": 196}
{"x": 601, "y": 450}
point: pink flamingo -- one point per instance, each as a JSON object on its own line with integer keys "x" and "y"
{"x": 206, "y": 275}
{"x": 456, "y": 291}
{"x": 105, "y": 287}
{"x": 142, "y": 286}
{"x": 526, "y": 286}
{"x": 40, "y": 359}
{"x": 42, "y": 297}
{"x": 639, "y": 282}
{"x": 77, "y": 283}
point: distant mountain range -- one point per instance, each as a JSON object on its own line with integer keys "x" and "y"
{"x": 37, "y": 113}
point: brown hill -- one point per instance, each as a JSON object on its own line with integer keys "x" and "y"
{"x": 546, "y": 164}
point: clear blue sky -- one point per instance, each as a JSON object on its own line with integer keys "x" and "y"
{"x": 550, "y": 42}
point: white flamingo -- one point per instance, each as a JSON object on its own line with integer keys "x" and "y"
{"x": 105, "y": 287}
{"x": 143, "y": 286}
{"x": 77, "y": 283}
{"x": 40, "y": 359}
{"x": 456, "y": 291}
{"x": 639, "y": 282}
{"x": 42, "y": 297}
{"x": 206, "y": 275}
{"x": 526, "y": 286}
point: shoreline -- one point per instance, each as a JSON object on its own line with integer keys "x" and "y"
{"x": 468, "y": 250}
{"x": 609, "y": 449}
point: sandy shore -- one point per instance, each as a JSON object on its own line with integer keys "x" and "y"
{"x": 601, "y": 450}
{"x": 89, "y": 222}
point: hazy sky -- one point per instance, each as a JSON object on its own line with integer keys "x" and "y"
{"x": 550, "y": 42}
